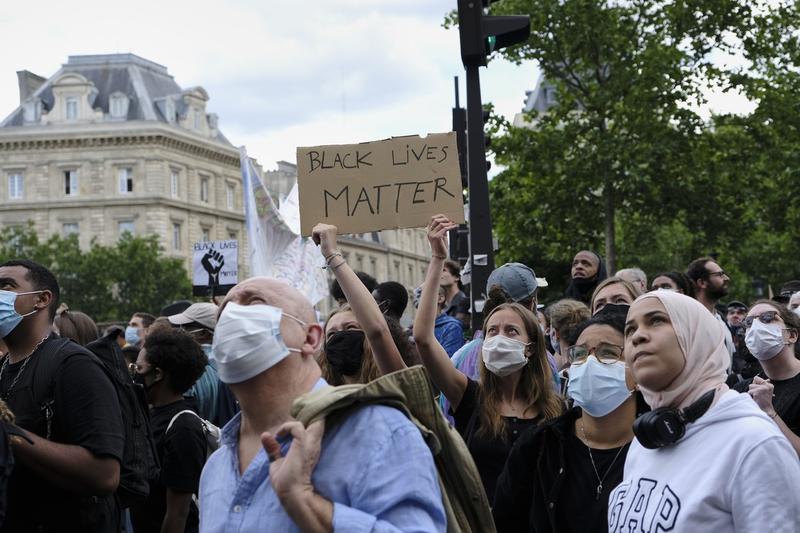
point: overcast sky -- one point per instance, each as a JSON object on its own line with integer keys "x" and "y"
{"x": 280, "y": 73}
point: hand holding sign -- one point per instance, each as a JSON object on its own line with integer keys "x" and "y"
{"x": 437, "y": 230}
{"x": 212, "y": 262}
{"x": 324, "y": 236}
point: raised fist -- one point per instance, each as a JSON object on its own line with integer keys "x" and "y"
{"x": 212, "y": 263}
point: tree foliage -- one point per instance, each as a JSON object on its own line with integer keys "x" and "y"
{"x": 625, "y": 163}
{"x": 106, "y": 282}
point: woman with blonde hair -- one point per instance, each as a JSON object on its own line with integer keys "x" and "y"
{"x": 516, "y": 389}
{"x": 342, "y": 367}
{"x": 359, "y": 341}
{"x": 613, "y": 290}
{"x": 706, "y": 458}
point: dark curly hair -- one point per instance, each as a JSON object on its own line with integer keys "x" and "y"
{"x": 178, "y": 355}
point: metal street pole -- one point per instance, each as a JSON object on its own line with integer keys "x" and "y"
{"x": 480, "y": 221}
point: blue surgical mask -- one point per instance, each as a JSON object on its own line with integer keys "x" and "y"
{"x": 598, "y": 388}
{"x": 9, "y": 318}
{"x": 132, "y": 335}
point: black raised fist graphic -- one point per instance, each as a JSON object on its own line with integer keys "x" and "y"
{"x": 212, "y": 263}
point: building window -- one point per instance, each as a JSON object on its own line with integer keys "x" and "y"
{"x": 173, "y": 180}
{"x": 197, "y": 118}
{"x": 176, "y": 236}
{"x": 69, "y": 228}
{"x": 71, "y": 108}
{"x": 71, "y": 182}
{"x": 125, "y": 180}
{"x": 230, "y": 195}
{"x": 232, "y": 235}
{"x": 126, "y": 226}
{"x": 118, "y": 106}
{"x": 15, "y": 187}
{"x": 204, "y": 190}
{"x": 206, "y": 232}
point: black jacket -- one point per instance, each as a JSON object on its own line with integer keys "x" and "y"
{"x": 528, "y": 488}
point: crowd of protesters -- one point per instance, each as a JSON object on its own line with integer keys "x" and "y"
{"x": 623, "y": 406}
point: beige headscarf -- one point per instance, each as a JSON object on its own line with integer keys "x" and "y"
{"x": 702, "y": 341}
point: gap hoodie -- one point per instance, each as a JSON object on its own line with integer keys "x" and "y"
{"x": 732, "y": 471}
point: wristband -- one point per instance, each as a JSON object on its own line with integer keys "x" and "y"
{"x": 334, "y": 254}
{"x": 439, "y": 256}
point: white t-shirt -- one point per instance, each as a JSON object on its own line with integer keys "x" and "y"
{"x": 732, "y": 471}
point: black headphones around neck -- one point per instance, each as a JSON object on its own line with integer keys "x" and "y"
{"x": 666, "y": 425}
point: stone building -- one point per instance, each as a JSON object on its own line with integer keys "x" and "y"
{"x": 111, "y": 143}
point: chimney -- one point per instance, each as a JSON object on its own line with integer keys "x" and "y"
{"x": 28, "y": 84}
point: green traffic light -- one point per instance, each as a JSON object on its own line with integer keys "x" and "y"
{"x": 491, "y": 41}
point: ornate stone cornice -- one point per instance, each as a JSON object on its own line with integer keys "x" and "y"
{"x": 28, "y": 139}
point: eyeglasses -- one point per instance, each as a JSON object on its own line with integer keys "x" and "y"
{"x": 767, "y": 317}
{"x": 605, "y": 352}
{"x": 719, "y": 273}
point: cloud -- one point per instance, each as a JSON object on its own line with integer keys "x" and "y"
{"x": 280, "y": 74}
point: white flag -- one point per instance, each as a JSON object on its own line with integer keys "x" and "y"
{"x": 276, "y": 248}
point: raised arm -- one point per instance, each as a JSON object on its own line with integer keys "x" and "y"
{"x": 445, "y": 376}
{"x": 364, "y": 307}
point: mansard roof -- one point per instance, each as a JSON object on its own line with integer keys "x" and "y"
{"x": 146, "y": 83}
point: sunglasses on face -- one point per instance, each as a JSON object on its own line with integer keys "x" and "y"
{"x": 767, "y": 317}
{"x": 605, "y": 352}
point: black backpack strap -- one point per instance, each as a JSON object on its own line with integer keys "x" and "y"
{"x": 50, "y": 356}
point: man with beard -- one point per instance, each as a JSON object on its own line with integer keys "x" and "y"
{"x": 711, "y": 284}
{"x": 588, "y": 269}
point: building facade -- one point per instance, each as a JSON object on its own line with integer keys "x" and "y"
{"x": 112, "y": 144}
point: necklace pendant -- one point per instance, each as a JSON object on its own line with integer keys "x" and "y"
{"x": 599, "y": 491}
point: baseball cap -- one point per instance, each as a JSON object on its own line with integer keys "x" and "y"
{"x": 517, "y": 280}
{"x": 204, "y": 314}
{"x": 787, "y": 289}
{"x": 736, "y": 304}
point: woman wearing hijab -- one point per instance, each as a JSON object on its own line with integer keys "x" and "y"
{"x": 706, "y": 458}
{"x": 771, "y": 337}
{"x": 588, "y": 269}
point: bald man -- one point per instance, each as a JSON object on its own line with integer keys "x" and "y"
{"x": 371, "y": 471}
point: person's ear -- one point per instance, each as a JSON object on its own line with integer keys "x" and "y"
{"x": 44, "y": 299}
{"x": 791, "y": 336}
{"x": 158, "y": 374}
{"x": 315, "y": 337}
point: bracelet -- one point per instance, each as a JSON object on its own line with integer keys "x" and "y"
{"x": 334, "y": 254}
{"x": 443, "y": 257}
{"x": 772, "y": 416}
{"x": 334, "y": 267}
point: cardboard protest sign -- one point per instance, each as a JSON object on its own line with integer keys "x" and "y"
{"x": 215, "y": 267}
{"x": 396, "y": 183}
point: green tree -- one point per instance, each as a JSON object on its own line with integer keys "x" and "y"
{"x": 623, "y": 157}
{"x": 106, "y": 282}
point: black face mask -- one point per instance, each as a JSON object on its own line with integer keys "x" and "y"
{"x": 344, "y": 351}
{"x": 139, "y": 380}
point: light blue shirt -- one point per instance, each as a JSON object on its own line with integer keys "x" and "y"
{"x": 374, "y": 467}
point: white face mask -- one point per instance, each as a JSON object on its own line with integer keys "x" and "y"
{"x": 503, "y": 356}
{"x": 247, "y": 341}
{"x": 764, "y": 341}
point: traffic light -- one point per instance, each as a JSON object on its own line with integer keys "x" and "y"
{"x": 482, "y": 34}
